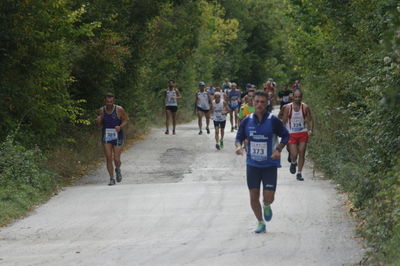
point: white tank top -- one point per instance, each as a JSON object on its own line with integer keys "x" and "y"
{"x": 171, "y": 101}
{"x": 203, "y": 102}
{"x": 218, "y": 111}
{"x": 296, "y": 120}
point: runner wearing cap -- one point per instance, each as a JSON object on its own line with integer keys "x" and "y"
{"x": 203, "y": 105}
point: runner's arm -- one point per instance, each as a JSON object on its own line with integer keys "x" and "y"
{"x": 285, "y": 116}
{"x": 99, "y": 119}
{"x": 240, "y": 136}
{"x": 309, "y": 120}
{"x": 279, "y": 129}
{"x": 178, "y": 94}
{"x": 124, "y": 118}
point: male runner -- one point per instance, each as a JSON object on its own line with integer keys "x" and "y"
{"x": 172, "y": 95}
{"x": 112, "y": 118}
{"x": 263, "y": 155}
{"x": 219, "y": 111}
{"x": 248, "y": 107}
{"x": 234, "y": 104}
{"x": 284, "y": 96}
{"x": 203, "y": 102}
{"x": 298, "y": 120}
{"x": 211, "y": 89}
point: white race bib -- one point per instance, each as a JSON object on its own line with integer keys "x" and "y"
{"x": 258, "y": 151}
{"x": 110, "y": 134}
{"x": 297, "y": 125}
{"x": 285, "y": 99}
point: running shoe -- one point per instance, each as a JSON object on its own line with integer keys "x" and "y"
{"x": 267, "y": 213}
{"x": 166, "y": 132}
{"x": 260, "y": 228}
{"x": 118, "y": 174}
{"x": 200, "y": 132}
{"x": 208, "y": 130}
{"x": 232, "y": 129}
{"x": 221, "y": 144}
{"x": 217, "y": 146}
{"x": 299, "y": 177}
{"x": 293, "y": 168}
{"x": 173, "y": 132}
{"x": 112, "y": 182}
{"x": 235, "y": 127}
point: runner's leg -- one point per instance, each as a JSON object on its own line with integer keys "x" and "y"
{"x": 200, "y": 118}
{"x": 173, "y": 121}
{"x": 269, "y": 196}
{"x": 167, "y": 115}
{"x": 255, "y": 203}
{"x": 207, "y": 115}
{"x": 293, "y": 152}
{"x": 108, "y": 148}
{"x": 117, "y": 156}
{"x": 231, "y": 119}
{"x": 302, "y": 154}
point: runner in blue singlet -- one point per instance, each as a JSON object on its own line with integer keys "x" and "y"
{"x": 262, "y": 129}
{"x": 234, "y": 105}
{"x": 112, "y": 118}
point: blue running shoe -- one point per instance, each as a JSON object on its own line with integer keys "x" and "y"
{"x": 267, "y": 213}
{"x": 260, "y": 228}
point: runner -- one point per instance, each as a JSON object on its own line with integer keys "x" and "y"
{"x": 248, "y": 107}
{"x": 298, "y": 120}
{"x": 269, "y": 87}
{"x": 203, "y": 101}
{"x": 285, "y": 96}
{"x": 219, "y": 111}
{"x": 234, "y": 104}
{"x": 112, "y": 118}
{"x": 211, "y": 89}
{"x": 226, "y": 86}
{"x": 296, "y": 85}
{"x": 223, "y": 94}
{"x": 172, "y": 94}
{"x": 263, "y": 155}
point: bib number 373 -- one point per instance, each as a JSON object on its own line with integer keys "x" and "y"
{"x": 258, "y": 151}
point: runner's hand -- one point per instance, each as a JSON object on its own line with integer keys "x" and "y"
{"x": 309, "y": 133}
{"x": 118, "y": 128}
{"x": 239, "y": 151}
{"x": 276, "y": 155}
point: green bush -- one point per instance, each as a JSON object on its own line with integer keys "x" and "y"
{"x": 23, "y": 180}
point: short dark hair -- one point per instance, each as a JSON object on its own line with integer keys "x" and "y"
{"x": 261, "y": 93}
{"x": 109, "y": 95}
{"x": 171, "y": 80}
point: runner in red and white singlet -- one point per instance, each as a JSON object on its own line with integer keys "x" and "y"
{"x": 299, "y": 122}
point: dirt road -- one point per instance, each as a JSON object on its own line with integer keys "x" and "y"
{"x": 182, "y": 202}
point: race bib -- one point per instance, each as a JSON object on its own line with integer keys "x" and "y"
{"x": 172, "y": 100}
{"x": 297, "y": 125}
{"x": 285, "y": 99}
{"x": 258, "y": 151}
{"x": 110, "y": 134}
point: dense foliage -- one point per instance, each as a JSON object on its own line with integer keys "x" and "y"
{"x": 348, "y": 52}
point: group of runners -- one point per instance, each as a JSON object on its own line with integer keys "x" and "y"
{"x": 250, "y": 114}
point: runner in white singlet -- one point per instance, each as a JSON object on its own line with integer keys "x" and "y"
{"x": 219, "y": 110}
